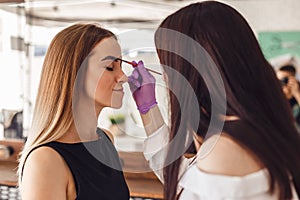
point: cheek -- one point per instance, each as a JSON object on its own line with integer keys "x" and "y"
{"x": 104, "y": 87}
{"x": 91, "y": 86}
{"x": 92, "y": 77}
{"x": 116, "y": 99}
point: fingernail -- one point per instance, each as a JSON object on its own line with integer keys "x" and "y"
{"x": 140, "y": 62}
{"x": 134, "y": 63}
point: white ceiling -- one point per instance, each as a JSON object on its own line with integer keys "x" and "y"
{"x": 145, "y": 14}
{"x": 123, "y": 13}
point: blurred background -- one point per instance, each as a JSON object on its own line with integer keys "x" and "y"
{"x": 28, "y": 26}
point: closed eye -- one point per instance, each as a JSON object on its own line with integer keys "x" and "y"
{"x": 109, "y": 68}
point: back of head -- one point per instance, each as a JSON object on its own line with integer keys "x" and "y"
{"x": 252, "y": 91}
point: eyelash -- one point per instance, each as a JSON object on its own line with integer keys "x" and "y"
{"x": 109, "y": 69}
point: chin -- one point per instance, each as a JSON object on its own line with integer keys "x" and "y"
{"x": 116, "y": 101}
{"x": 116, "y": 104}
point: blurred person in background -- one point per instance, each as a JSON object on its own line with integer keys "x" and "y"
{"x": 290, "y": 87}
{"x": 66, "y": 156}
{"x": 254, "y": 154}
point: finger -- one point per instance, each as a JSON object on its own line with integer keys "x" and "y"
{"x": 134, "y": 63}
{"x": 140, "y": 63}
{"x": 135, "y": 74}
{"x": 293, "y": 84}
{"x": 132, "y": 87}
{"x": 291, "y": 80}
{"x": 141, "y": 67}
{"x": 134, "y": 82}
{"x": 144, "y": 71}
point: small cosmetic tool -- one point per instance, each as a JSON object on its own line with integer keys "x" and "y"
{"x": 128, "y": 62}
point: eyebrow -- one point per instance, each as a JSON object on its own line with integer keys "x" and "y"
{"x": 110, "y": 58}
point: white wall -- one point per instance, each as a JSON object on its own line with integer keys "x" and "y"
{"x": 10, "y": 62}
{"x": 269, "y": 15}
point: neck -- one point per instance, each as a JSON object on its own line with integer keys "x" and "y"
{"x": 72, "y": 136}
{"x": 84, "y": 125}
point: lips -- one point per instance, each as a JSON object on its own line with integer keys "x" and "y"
{"x": 118, "y": 90}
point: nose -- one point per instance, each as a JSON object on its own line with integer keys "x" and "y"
{"x": 122, "y": 77}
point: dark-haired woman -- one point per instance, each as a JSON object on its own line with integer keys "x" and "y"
{"x": 220, "y": 86}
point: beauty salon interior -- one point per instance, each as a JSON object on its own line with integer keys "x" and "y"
{"x": 27, "y": 28}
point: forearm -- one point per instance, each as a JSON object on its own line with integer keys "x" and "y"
{"x": 152, "y": 120}
{"x": 156, "y": 144}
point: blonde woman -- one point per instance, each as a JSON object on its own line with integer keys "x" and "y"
{"x": 66, "y": 156}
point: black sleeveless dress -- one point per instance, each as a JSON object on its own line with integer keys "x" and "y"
{"x": 95, "y": 167}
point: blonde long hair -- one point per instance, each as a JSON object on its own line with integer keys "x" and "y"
{"x": 53, "y": 108}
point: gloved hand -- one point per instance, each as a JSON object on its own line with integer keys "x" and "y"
{"x": 142, "y": 86}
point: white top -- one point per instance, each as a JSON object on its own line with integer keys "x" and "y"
{"x": 198, "y": 185}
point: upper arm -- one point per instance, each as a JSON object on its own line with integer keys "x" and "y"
{"x": 44, "y": 176}
{"x": 227, "y": 157}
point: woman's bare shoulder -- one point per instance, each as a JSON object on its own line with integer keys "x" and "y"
{"x": 227, "y": 157}
{"x": 44, "y": 169}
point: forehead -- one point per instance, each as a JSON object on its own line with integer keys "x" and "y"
{"x": 282, "y": 74}
{"x": 106, "y": 47}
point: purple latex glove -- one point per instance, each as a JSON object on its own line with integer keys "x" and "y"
{"x": 142, "y": 86}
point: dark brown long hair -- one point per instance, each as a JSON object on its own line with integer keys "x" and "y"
{"x": 252, "y": 90}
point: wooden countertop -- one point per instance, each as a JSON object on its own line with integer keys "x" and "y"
{"x": 141, "y": 180}
{"x": 145, "y": 188}
{"x": 8, "y": 173}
